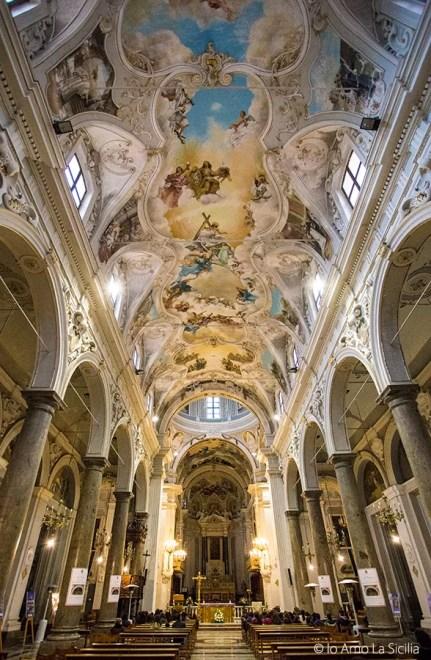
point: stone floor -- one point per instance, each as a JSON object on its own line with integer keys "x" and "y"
{"x": 220, "y": 641}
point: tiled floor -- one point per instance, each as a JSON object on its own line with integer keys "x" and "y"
{"x": 221, "y": 643}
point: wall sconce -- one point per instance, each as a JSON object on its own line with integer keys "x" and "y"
{"x": 168, "y": 561}
{"x": 312, "y": 586}
{"x": 259, "y": 557}
{"x": 179, "y": 558}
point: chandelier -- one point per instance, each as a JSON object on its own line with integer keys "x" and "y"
{"x": 386, "y": 515}
{"x": 57, "y": 518}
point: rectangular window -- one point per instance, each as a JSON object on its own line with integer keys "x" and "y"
{"x": 75, "y": 179}
{"x": 353, "y": 179}
{"x": 213, "y": 407}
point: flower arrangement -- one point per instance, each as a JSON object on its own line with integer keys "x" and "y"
{"x": 218, "y": 616}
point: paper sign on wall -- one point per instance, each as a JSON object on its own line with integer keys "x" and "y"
{"x": 371, "y": 588}
{"x": 326, "y": 589}
{"x": 394, "y": 599}
{"x": 76, "y": 590}
{"x": 114, "y": 589}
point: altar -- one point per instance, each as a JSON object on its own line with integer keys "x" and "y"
{"x": 208, "y": 610}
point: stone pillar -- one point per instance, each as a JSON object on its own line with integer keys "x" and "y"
{"x": 265, "y": 528}
{"x": 401, "y": 400}
{"x": 68, "y": 617}
{"x": 154, "y": 500}
{"x": 115, "y": 561}
{"x": 167, "y": 532}
{"x": 17, "y": 486}
{"x": 300, "y": 574}
{"x": 380, "y": 619}
{"x": 137, "y": 533}
{"x": 284, "y": 551}
{"x": 324, "y": 563}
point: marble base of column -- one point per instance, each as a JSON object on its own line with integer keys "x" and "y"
{"x": 114, "y": 564}
{"x": 401, "y": 399}
{"x": 380, "y": 619}
{"x": 299, "y": 566}
{"x": 321, "y": 547}
{"x": 17, "y": 486}
{"x": 66, "y": 627}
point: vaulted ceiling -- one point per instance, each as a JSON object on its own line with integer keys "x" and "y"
{"x": 213, "y": 132}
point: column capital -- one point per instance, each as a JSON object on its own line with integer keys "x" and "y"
{"x": 273, "y": 461}
{"x": 158, "y": 460}
{"x": 95, "y": 462}
{"x": 342, "y": 459}
{"x": 312, "y": 493}
{"x": 398, "y": 393}
{"x": 292, "y": 513}
{"x": 123, "y": 495}
{"x": 47, "y": 400}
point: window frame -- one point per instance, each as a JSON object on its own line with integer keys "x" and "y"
{"x": 211, "y": 408}
{"x": 357, "y": 180}
{"x": 73, "y": 187}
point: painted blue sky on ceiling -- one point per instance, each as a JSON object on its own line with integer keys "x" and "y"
{"x": 229, "y": 36}
{"x": 217, "y": 105}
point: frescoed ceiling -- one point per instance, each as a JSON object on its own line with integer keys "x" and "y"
{"x": 214, "y": 130}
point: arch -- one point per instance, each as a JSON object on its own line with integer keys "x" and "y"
{"x": 336, "y": 434}
{"x": 141, "y": 482}
{"x": 364, "y": 460}
{"x": 307, "y": 457}
{"x": 125, "y": 455}
{"x": 228, "y": 471}
{"x": 238, "y": 444}
{"x": 181, "y": 399}
{"x": 25, "y": 243}
{"x": 67, "y": 462}
{"x": 388, "y": 282}
{"x": 98, "y": 388}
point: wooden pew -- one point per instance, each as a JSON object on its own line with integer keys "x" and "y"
{"x": 263, "y": 636}
{"x": 161, "y": 635}
{"x": 278, "y": 648}
{"x": 140, "y": 654}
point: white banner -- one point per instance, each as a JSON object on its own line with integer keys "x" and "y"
{"x": 371, "y": 588}
{"x": 76, "y": 591}
{"x": 326, "y": 589}
{"x": 114, "y": 589}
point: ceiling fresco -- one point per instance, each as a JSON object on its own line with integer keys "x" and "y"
{"x": 221, "y": 126}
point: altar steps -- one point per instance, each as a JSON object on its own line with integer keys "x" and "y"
{"x": 217, "y": 626}
{"x": 220, "y": 641}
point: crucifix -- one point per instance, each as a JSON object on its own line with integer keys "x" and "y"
{"x": 199, "y": 578}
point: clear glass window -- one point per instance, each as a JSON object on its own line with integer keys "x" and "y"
{"x": 76, "y": 181}
{"x": 353, "y": 179}
{"x": 213, "y": 407}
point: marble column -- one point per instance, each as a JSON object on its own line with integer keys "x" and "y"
{"x": 380, "y": 619}
{"x": 68, "y": 617}
{"x": 115, "y": 561}
{"x": 137, "y": 533}
{"x": 154, "y": 506}
{"x": 324, "y": 563}
{"x": 283, "y": 546}
{"x": 401, "y": 400}
{"x": 17, "y": 486}
{"x": 300, "y": 574}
